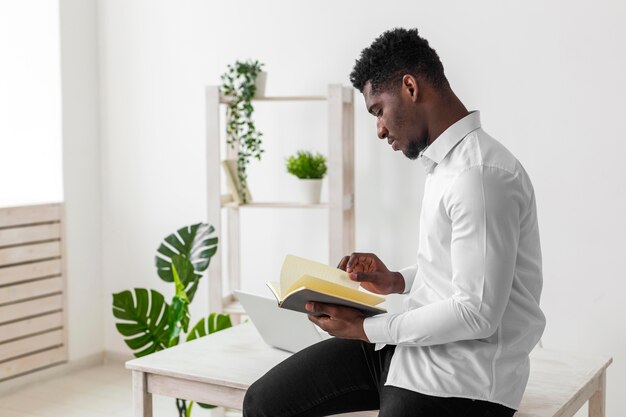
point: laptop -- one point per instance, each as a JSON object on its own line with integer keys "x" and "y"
{"x": 280, "y": 328}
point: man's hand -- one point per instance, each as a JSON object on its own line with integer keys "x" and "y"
{"x": 372, "y": 273}
{"x": 338, "y": 321}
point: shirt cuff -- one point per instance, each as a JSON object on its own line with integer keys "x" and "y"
{"x": 409, "y": 277}
{"x": 376, "y": 328}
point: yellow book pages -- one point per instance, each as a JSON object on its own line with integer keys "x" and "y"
{"x": 275, "y": 288}
{"x": 295, "y": 267}
{"x": 331, "y": 288}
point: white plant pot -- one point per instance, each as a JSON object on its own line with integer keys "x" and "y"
{"x": 260, "y": 82}
{"x": 310, "y": 190}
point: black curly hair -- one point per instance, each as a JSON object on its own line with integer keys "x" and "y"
{"x": 393, "y": 54}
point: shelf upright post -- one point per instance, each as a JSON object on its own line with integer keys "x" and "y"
{"x": 214, "y": 214}
{"x": 341, "y": 171}
{"x": 233, "y": 232}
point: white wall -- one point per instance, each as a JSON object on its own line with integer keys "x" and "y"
{"x": 81, "y": 172}
{"x": 30, "y": 103}
{"x": 547, "y": 76}
{"x": 49, "y": 139}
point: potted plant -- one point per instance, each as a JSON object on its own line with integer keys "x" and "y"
{"x": 241, "y": 83}
{"x": 181, "y": 259}
{"x": 310, "y": 169}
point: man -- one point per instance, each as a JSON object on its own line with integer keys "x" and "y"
{"x": 471, "y": 314}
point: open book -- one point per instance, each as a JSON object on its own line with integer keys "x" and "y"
{"x": 303, "y": 280}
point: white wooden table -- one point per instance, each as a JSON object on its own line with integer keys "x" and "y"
{"x": 218, "y": 369}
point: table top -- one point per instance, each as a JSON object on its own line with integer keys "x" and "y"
{"x": 238, "y": 356}
{"x": 233, "y": 357}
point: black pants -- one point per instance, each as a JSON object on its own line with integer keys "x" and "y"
{"x": 338, "y": 376}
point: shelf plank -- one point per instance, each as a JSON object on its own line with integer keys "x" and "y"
{"x": 270, "y": 204}
{"x": 228, "y": 99}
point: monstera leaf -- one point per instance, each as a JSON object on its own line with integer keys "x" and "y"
{"x": 144, "y": 320}
{"x": 214, "y": 323}
{"x": 190, "y": 249}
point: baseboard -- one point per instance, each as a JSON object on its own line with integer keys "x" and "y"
{"x": 10, "y": 385}
{"x": 111, "y": 357}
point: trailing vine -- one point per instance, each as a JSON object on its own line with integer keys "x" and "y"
{"x": 239, "y": 83}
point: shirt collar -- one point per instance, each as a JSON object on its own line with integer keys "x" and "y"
{"x": 434, "y": 153}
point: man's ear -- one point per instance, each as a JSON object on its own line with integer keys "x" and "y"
{"x": 409, "y": 84}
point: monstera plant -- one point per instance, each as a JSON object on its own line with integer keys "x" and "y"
{"x": 148, "y": 322}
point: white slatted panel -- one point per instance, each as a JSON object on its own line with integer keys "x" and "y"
{"x": 32, "y": 362}
{"x": 30, "y": 252}
{"x": 36, "y": 233}
{"x": 29, "y": 308}
{"x": 39, "y": 288}
{"x": 39, "y": 342}
{"x": 33, "y": 322}
{"x": 28, "y": 327}
{"x": 26, "y": 272}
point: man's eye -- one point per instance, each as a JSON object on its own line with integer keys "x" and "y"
{"x": 379, "y": 113}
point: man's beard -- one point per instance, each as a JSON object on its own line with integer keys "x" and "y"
{"x": 414, "y": 148}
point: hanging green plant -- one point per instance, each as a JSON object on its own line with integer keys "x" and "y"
{"x": 239, "y": 83}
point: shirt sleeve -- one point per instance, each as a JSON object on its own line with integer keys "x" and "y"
{"x": 484, "y": 206}
{"x": 408, "y": 274}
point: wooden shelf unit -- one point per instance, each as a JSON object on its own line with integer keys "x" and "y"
{"x": 340, "y": 177}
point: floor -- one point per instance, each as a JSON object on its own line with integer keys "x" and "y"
{"x": 102, "y": 391}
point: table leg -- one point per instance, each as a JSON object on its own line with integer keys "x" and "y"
{"x": 597, "y": 402}
{"x": 142, "y": 399}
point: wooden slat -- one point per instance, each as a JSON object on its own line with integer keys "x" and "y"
{"x": 30, "y": 326}
{"x": 19, "y": 273}
{"x": 13, "y": 216}
{"x": 27, "y": 345}
{"x": 32, "y": 289}
{"x": 29, "y": 234}
{"x": 30, "y": 308}
{"x": 28, "y": 253}
{"x": 29, "y": 363}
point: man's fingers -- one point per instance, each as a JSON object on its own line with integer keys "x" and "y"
{"x": 357, "y": 259}
{"x": 365, "y": 276}
{"x": 343, "y": 264}
{"x": 321, "y": 309}
{"x": 320, "y": 321}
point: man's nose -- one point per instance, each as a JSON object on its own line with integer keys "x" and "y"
{"x": 382, "y": 131}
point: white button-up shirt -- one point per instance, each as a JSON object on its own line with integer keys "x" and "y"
{"x": 472, "y": 315}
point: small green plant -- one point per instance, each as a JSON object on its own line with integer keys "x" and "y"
{"x": 239, "y": 82}
{"x": 150, "y": 324}
{"x": 306, "y": 165}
